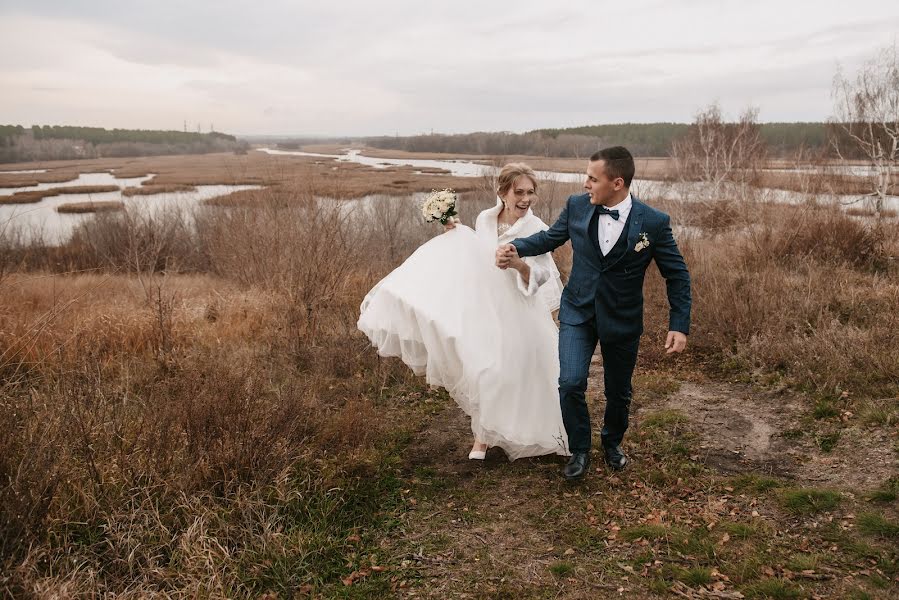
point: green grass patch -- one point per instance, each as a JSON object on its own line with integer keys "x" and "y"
{"x": 825, "y": 409}
{"x": 584, "y": 538}
{"x": 739, "y": 531}
{"x": 747, "y": 569}
{"x": 561, "y": 569}
{"x": 664, "y": 418}
{"x": 860, "y": 549}
{"x": 317, "y": 520}
{"x": 878, "y": 525}
{"x": 655, "y": 385}
{"x": 696, "y": 576}
{"x": 658, "y": 586}
{"x": 647, "y": 532}
{"x": 881, "y": 583}
{"x": 888, "y": 563}
{"x": 888, "y": 492}
{"x": 880, "y": 414}
{"x": 736, "y": 366}
{"x": 806, "y": 501}
{"x": 754, "y": 483}
{"x": 793, "y": 434}
{"x": 803, "y": 562}
{"x": 695, "y": 542}
{"x": 828, "y": 441}
{"x": 641, "y": 558}
{"x": 773, "y": 588}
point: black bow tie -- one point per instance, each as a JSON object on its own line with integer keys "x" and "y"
{"x": 605, "y": 211}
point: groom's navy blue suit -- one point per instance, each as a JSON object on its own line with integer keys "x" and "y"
{"x": 603, "y": 301}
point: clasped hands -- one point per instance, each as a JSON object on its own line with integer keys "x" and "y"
{"x": 507, "y": 256}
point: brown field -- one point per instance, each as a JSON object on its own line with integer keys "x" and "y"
{"x": 189, "y": 411}
{"x": 89, "y": 207}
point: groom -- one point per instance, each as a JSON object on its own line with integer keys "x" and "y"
{"x": 614, "y": 237}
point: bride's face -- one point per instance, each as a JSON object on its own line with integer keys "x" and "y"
{"x": 520, "y": 197}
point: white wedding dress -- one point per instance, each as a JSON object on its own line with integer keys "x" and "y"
{"x": 451, "y": 315}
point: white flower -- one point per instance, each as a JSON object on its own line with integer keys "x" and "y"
{"x": 643, "y": 243}
{"x": 439, "y": 205}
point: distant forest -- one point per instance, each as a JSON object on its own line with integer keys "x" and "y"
{"x": 58, "y": 142}
{"x": 643, "y": 139}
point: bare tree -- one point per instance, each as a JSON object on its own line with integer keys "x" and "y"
{"x": 866, "y": 119}
{"x": 391, "y": 226}
{"x": 715, "y": 151}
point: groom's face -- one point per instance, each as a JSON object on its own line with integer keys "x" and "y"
{"x": 602, "y": 190}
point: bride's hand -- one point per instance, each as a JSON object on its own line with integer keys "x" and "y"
{"x": 451, "y": 224}
{"x": 515, "y": 261}
{"x": 503, "y": 256}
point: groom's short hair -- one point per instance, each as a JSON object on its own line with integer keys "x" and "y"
{"x": 618, "y": 163}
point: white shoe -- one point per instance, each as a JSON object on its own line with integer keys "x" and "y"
{"x": 478, "y": 454}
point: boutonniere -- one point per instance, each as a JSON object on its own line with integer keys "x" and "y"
{"x": 643, "y": 243}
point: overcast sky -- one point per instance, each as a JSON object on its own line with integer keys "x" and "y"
{"x": 369, "y": 68}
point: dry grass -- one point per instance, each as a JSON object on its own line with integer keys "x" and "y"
{"x": 88, "y": 189}
{"x": 38, "y": 195}
{"x": 89, "y": 207}
{"x": 60, "y": 173}
{"x": 862, "y": 211}
{"x": 28, "y": 197}
{"x": 806, "y": 293}
{"x": 148, "y": 190}
{"x": 129, "y": 472}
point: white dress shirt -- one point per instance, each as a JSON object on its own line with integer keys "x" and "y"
{"x": 609, "y": 230}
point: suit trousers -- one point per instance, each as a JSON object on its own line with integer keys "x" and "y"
{"x": 577, "y": 343}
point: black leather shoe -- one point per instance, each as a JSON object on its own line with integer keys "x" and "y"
{"x": 577, "y": 465}
{"x": 615, "y": 458}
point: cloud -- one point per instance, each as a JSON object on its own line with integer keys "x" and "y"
{"x": 370, "y": 68}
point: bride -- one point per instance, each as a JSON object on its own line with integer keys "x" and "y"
{"x": 484, "y": 334}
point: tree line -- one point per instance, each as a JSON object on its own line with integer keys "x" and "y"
{"x": 643, "y": 139}
{"x": 56, "y": 142}
{"x": 99, "y": 135}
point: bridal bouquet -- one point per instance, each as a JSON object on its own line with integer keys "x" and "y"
{"x": 439, "y": 206}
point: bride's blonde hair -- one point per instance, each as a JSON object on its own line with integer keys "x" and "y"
{"x": 510, "y": 173}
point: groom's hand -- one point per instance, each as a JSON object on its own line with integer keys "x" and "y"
{"x": 676, "y": 342}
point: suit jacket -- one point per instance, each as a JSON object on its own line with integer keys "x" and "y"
{"x": 611, "y": 291}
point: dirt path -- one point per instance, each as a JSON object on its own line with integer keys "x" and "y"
{"x": 675, "y": 522}
{"x": 747, "y": 430}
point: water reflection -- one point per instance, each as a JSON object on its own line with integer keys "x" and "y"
{"x": 82, "y": 179}
{"x": 643, "y": 188}
{"x": 40, "y": 220}
{"x": 457, "y": 168}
